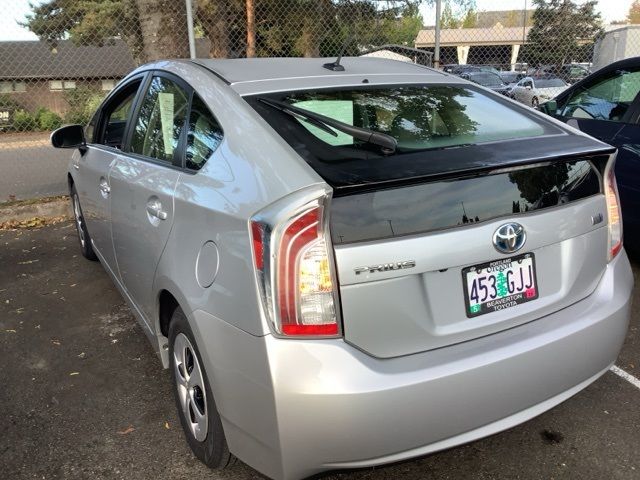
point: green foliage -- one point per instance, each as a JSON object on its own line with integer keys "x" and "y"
{"x": 451, "y": 19}
{"x": 560, "y": 30}
{"x": 633, "y": 17}
{"x": 83, "y": 102}
{"x": 47, "y": 120}
{"x": 7, "y": 102}
{"x": 24, "y": 121}
{"x": 448, "y": 19}
{"x": 470, "y": 19}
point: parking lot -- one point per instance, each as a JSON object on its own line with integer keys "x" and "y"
{"x": 84, "y": 396}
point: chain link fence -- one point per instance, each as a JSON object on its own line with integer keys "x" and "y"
{"x": 59, "y": 58}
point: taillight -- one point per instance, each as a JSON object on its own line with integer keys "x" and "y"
{"x": 295, "y": 270}
{"x": 614, "y": 215}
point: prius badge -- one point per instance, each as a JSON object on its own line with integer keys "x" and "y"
{"x": 385, "y": 267}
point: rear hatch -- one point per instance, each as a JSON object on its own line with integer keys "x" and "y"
{"x": 414, "y": 262}
{"x": 417, "y": 232}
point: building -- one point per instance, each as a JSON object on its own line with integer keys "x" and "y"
{"x": 35, "y": 74}
{"x": 498, "y": 45}
{"x": 617, "y": 43}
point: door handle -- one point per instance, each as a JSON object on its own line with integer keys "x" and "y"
{"x": 155, "y": 210}
{"x": 105, "y": 189}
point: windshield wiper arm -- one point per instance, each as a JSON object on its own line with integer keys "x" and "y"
{"x": 387, "y": 142}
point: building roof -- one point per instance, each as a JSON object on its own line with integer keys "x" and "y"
{"x": 39, "y": 60}
{"x": 453, "y": 37}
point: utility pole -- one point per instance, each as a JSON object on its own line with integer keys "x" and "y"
{"x": 436, "y": 50}
{"x": 192, "y": 40}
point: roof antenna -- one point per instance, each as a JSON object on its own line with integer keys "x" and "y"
{"x": 335, "y": 66}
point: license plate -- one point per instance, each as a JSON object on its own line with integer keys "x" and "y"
{"x": 500, "y": 284}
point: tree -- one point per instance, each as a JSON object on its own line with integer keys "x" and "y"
{"x": 633, "y": 17}
{"x": 448, "y": 19}
{"x": 163, "y": 28}
{"x": 470, "y": 19}
{"x": 562, "y": 31}
{"x": 152, "y": 28}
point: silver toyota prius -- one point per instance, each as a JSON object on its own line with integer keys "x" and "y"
{"x": 350, "y": 264}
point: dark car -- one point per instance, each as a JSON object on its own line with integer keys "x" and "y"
{"x": 512, "y": 77}
{"x": 487, "y": 79}
{"x": 606, "y": 105}
{"x": 456, "y": 69}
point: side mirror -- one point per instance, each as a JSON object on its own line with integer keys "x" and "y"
{"x": 69, "y": 136}
{"x": 550, "y": 107}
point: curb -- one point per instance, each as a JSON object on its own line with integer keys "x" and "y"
{"x": 57, "y": 207}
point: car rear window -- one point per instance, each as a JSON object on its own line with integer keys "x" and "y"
{"x": 488, "y": 79}
{"x": 429, "y": 122}
{"x": 433, "y": 206}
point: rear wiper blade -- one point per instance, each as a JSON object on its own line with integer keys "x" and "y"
{"x": 387, "y": 142}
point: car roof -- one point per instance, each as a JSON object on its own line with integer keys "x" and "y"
{"x": 254, "y": 75}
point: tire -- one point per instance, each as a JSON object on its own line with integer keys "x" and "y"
{"x": 194, "y": 400}
{"x": 535, "y": 102}
{"x": 81, "y": 227}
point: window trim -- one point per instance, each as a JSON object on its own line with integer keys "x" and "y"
{"x": 184, "y": 152}
{"x": 98, "y": 131}
{"x": 179, "y": 153}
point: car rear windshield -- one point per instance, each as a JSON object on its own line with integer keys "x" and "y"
{"x": 487, "y": 79}
{"x": 426, "y": 121}
{"x": 439, "y": 205}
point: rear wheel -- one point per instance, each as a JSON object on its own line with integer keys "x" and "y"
{"x": 196, "y": 406}
{"x": 534, "y": 102}
{"x": 81, "y": 227}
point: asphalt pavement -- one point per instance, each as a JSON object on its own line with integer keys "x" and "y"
{"x": 30, "y": 167}
{"x": 83, "y": 395}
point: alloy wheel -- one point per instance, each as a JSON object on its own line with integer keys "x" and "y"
{"x": 77, "y": 213}
{"x": 190, "y": 385}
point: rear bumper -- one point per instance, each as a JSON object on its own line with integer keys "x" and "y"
{"x": 309, "y": 406}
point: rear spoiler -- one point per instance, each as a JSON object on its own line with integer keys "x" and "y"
{"x": 456, "y": 162}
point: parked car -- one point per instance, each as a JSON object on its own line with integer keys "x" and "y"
{"x": 511, "y": 78}
{"x": 486, "y": 79}
{"x": 534, "y": 91}
{"x": 456, "y": 69}
{"x": 570, "y": 73}
{"x": 606, "y": 105}
{"x": 346, "y": 265}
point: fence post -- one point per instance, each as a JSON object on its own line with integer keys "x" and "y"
{"x": 436, "y": 50}
{"x": 192, "y": 40}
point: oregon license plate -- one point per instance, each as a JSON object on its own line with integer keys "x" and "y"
{"x": 500, "y": 284}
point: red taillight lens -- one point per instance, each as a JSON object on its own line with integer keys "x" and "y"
{"x": 614, "y": 215}
{"x": 297, "y": 282}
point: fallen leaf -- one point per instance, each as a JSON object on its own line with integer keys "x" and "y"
{"x": 10, "y": 331}
{"x": 127, "y": 430}
{"x": 166, "y": 425}
{"x": 55, "y": 342}
{"x": 28, "y": 262}
{"x": 74, "y": 373}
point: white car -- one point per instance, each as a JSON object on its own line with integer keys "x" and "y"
{"x": 534, "y": 91}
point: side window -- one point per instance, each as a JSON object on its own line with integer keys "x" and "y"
{"x": 114, "y": 118}
{"x": 204, "y": 134}
{"x": 161, "y": 119}
{"x": 607, "y": 99}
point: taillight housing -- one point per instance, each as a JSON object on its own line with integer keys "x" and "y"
{"x": 614, "y": 214}
{"x": 294, "y": 264}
